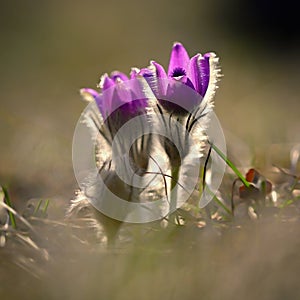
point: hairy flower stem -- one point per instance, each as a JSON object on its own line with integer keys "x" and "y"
{"x": 173, "y": 203}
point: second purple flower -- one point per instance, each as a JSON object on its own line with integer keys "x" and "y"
{"x": 187, "y": 80}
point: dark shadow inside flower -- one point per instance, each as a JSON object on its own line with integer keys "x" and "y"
{"x": 139, "y": 154}
{"x": 178, "y": 72}
{"x": 172, "y": 152}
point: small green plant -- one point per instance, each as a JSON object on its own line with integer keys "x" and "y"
{"x": 38, "y": 211}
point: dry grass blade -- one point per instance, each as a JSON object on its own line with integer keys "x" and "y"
{"x": 22, "y": 219}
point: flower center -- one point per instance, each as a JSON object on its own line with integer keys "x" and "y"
{"x": 177, "y": 72}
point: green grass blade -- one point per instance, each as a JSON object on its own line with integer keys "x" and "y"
{"x": 38, "y": 207}
{"x": 231, "y": 165}
{"x": 44, "y": 210}
{"x": 220, "y": 203}
{"x": 8, "y": 202}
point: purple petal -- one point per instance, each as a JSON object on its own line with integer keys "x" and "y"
{"x": 204, "y": 72}
{"x": 160, "y": 71}
{"x": 194, "y": 73}
{"x": 199, "y": 72}
{"x": 179, "y": 59}
{"x": 101, "y": 105}
{"x": 128, "y": 101}
{"x": 122, "y": 94}
{"x": 160, "y": 82}
{"x": 116, "y": 74}
{"x": 134, "y": 72}
{"x": 180, "y": 98}
{"x": 88, "y": 94}
{"x": 106, "y": 82}
{"x": 145, "y": 72}
{"x": 135, "y": 83}
{"x": 108, "y": 87}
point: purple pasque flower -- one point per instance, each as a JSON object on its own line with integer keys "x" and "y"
{"x": 121, "y": 97}
{"x": 185, "y": 84}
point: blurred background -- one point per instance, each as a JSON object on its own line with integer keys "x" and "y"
{"x": 51, "y": 49}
